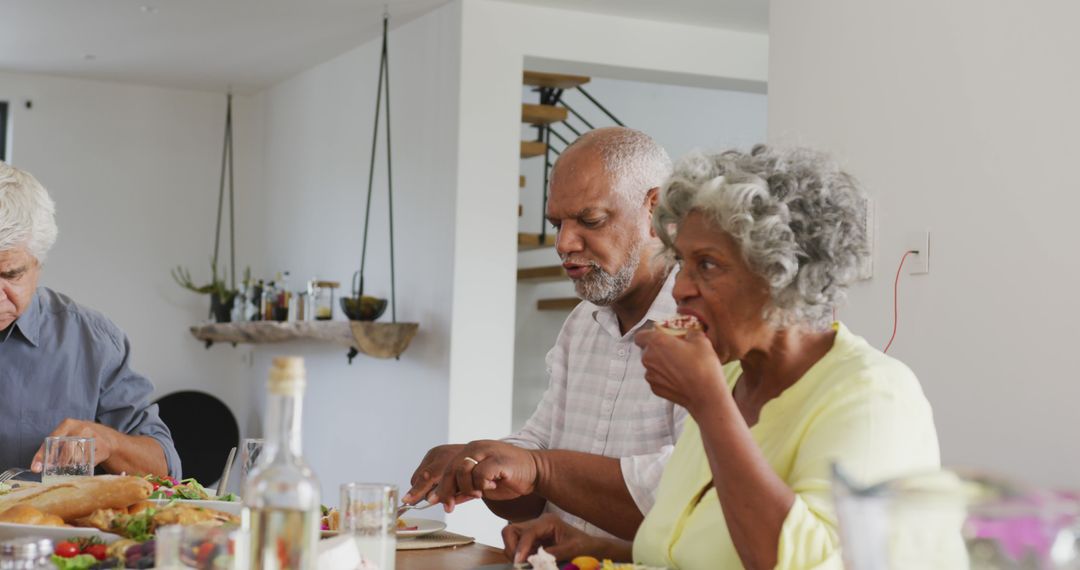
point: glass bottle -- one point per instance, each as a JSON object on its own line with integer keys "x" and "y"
{"x": 281, "y": 495}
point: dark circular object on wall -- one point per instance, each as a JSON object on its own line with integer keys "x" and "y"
{"x": 203, "y": 430}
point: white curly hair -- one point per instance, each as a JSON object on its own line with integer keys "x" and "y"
{"x": 798, "y": 218}
{"x": 27, "y": 214}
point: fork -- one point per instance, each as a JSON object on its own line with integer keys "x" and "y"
{"x": 11, "y": 474}
{"x": 405, "y": 508}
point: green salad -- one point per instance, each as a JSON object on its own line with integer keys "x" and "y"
{"x": 186, "y": 489}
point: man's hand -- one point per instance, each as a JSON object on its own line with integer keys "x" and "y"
{"x": 488, "y": 469}
{"x": 429, "y": 472}
{"x": 556, "y": 536}
{"x": 105, "y": 440}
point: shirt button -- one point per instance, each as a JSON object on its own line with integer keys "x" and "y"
{"x": 622, "y": 352}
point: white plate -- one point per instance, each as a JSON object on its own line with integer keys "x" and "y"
{"x": 56, "y": 533}
{"x": 423, "y": 526}
{"x": 231, "y": 507}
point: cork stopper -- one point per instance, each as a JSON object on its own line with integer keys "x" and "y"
{"x": 287, "y": 376}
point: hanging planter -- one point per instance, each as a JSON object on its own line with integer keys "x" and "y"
{"x": 390, "y": 338}
{"x": 221, "y": 297}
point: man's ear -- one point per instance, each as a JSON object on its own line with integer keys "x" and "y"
{"x": 651, "y": 198}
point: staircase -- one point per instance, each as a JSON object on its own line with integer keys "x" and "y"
{"x": 551, "y": 117}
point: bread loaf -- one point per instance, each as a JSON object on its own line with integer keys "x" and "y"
{"x": 77, "y": 498}
{"x": 23, "y": 514}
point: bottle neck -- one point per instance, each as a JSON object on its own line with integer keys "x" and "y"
{"x": 283, "y": 425}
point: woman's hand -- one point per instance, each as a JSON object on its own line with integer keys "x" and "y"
{"x": 684, "y": 370}
{"x": 556, "y": 536}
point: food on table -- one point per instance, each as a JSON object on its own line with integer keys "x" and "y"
{"x": 25, "y": 514}
{"x": 84, "y": 554}
{"x": 80, "y": 497}
{"x": 187, "y": 489}
{"x": 139, "y": 521}
{"x": 543, "y": 561}
{"x": 586, "y": 563}
{"x": 680, "y": 325}
{"x": 331, "y": 521}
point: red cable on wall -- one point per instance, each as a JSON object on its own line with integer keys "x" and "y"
{"x": 895, "y": 304}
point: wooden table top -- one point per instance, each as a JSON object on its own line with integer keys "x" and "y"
{"x": 457, "y": 557}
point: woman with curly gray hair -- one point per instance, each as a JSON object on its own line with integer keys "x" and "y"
{"x": 767, "y": 243}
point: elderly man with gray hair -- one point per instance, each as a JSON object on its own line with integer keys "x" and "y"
{"x": 595, "y": 447}
{"x": 64, "y": 369}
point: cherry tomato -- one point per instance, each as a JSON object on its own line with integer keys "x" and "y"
{"x": 206, "y": 552}
{"x": 156, "y": 486}
{"x": 66, "y": 549}
{"x": 98, "y": 551}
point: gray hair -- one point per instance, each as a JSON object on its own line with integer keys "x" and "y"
{"x": 635, "y": 162}
{"x": 798, "y": 218}
{"x": 27, "y": 214}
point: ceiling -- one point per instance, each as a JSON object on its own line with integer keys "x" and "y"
{"x": 251, "y": 44}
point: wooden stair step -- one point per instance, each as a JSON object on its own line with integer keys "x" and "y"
{"x": 521, "y": 181}
{"x": 542, "y": 274}
{"x": 534, "y": 114}
{"x": 530, "y": 149}
{"x": 532, "y": 241}
{"x": 563, "y": 304}
{"x": 554, "y": 80}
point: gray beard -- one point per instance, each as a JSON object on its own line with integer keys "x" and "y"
{"x": 602, "y": 288}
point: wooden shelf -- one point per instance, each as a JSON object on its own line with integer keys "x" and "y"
{"x": 564, "y": 304}
{"x": 542, "y": 274}
{"x": 381, "y": 340}
{"x": 555, "y": 80}
{"x": 530, "y": 149}
{"x": 532, "y": 241}
{"x": 541, "y": 114}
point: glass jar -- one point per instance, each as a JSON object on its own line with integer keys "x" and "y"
{"x": 27, "y": 553}
{"x": 322, "y": 299}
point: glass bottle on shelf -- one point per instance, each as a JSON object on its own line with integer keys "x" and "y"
{"x": 269, "y": 301}
{"x": 281, "y": 495}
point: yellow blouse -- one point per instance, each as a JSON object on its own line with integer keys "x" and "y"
{"x": 855, "y": 406}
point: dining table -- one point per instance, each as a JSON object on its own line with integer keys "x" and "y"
{"x": 466, "y": 557}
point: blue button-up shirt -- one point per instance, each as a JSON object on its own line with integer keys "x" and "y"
{"x": 60, "y": 360}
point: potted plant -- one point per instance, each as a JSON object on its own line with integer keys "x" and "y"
{"x": 221, "y": 297}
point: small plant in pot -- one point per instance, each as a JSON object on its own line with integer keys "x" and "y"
{"x": 221, "y": 297}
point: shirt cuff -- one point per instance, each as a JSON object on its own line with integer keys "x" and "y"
{"x": 642, "y": 474}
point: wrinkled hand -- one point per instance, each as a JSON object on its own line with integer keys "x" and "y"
{"x": 684, "y": 370}
{"x": 501, "y": 472}
{"x": 429, "y": 472}
{"x": 556, "y": 536}
{"x": 105, "y": 440}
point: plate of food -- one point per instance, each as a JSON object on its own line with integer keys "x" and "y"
{"x": 191, "y": 493}
{"x": 111, "y": 510}
{"x": 406, "y": 527}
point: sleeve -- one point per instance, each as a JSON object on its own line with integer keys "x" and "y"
{"x": 642, "y": 472}
{"x": 124, "y": 403}
{"x": 537, "y": 432}
{"x": 883, "y": 428}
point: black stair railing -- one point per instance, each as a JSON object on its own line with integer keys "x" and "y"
{"x": 554, "y": 96}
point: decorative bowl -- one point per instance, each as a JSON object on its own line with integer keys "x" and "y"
{"x": 366, "y": 308}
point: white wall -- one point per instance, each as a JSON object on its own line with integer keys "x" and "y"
{"x": 372, "y": 420}
{"x": 960, "y": 117}
{"x": 681, "y": 119}
{"x": 496, "y": 40}
{"x": 134, "y": 172}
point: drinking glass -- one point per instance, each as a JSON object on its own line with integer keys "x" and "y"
{"x": 67, "y": 458}
{"x": 369, "y": 514}
{"x": 250, "y": 451}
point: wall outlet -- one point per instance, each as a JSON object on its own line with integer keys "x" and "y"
{"x": 918, "y": 263}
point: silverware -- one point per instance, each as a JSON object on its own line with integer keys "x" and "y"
{"x": 404, "y": 508}
{"x": 224, "y": 482}
{"x": 11, "y": 474}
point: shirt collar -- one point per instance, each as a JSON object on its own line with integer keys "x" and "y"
{"x": 29, "y": 323}
{"x": 662, "y": 307}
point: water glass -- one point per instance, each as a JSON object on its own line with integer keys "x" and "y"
{"x": 67, "y": 458}
{"x": 250, "y": 452}
{"x": 369, "y": 514}
{"x": 200, "y": 546}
